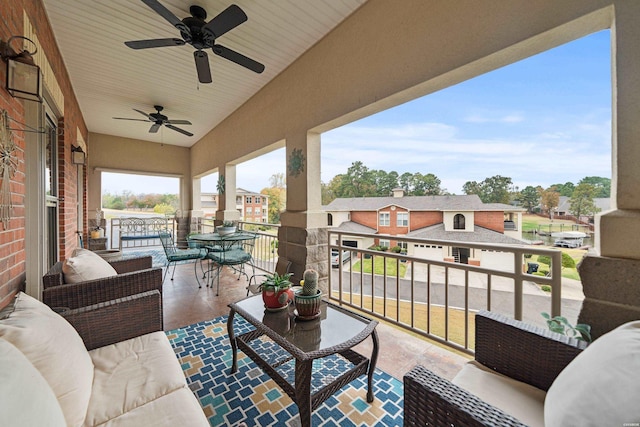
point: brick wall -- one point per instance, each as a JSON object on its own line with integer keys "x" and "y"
{"x": 12, "y": 238}
{"x": 491, "y": 220}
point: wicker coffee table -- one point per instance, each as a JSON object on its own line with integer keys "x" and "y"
{"x": 332, "y": 335}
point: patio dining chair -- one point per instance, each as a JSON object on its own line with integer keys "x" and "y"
{"x": 175, "y": 255}
{"x": 235, "y": 253}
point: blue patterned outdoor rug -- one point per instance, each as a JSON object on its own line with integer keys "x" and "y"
{"x": 252, "y": 397}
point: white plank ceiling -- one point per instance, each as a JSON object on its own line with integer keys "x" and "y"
{"x": 110, "y": 79}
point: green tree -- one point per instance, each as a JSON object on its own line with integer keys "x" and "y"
{"x": 602, "y": 185}
{"x": 426, "y": 185}
{"x": 357, "y": 182}
{"x": 529, "y": 197}
{"x": 329, "y": 191}
{"x": 495, "y": 189}
{"x": 581, "y": 202}
{"x": 565, "y": 189}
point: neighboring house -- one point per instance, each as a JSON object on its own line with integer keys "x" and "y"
{"x": 455, "y": 218}
{"x": 253, "y": 207}
{"x": 564, "y": 205}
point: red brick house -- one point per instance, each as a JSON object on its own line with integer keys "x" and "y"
{"x": 453, "y": 218}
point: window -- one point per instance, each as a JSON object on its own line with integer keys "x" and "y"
{"x": 257, "y": 200}
{"x": 248, "y": 199}
{"x": 384, "y": 219}
{"x": 384, "y": 243}
{"x": 402, "y": 219}
{"x": 458, "y": 222}
{"x": 329, "y": 219}
{"x": 403, "y": 246}
{"x": 249, "y": 210}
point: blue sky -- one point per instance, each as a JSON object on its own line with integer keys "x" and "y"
{"x": 541, "y": 121}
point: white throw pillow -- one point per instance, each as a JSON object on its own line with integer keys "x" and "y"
{"x": 601, "y": 386}
{"x": 86, "y": 265}
{"x": 25, "y": 396}
{"x": 56, "y": 350}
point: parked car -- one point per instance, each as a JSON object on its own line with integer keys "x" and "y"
{"x": 346, "y": 255}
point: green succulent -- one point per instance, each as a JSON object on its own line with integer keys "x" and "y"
{"x": 276, "y": 282}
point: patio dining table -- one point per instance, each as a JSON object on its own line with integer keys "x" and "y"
{"x": 232, "y": 250}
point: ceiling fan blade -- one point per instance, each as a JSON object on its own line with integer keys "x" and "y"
{"x": 166, "y": 14}
{"x": 238, "y": 58}
{"x": 179, "y": 130}
{"x": 144, "y": 114}
{"x": 154, "y": 128}
{"x": 202, "y": 66}
{"x": 126, "y": 118}
{"x": 178, "y": 122}
{"x": 146, "y": 44}
{"x": 226, "y": 20}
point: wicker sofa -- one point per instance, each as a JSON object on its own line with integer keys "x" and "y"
{"x": 106, "y": 365}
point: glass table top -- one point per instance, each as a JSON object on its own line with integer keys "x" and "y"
{"x": 333, "y": 327}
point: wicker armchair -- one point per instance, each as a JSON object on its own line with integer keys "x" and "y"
{"x": 117, "y": 320}
{"x": 518, "y": 350}
{"x": 135, "y": 276}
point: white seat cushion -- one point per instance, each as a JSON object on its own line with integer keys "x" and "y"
{"x": 520, "y": 400}
{"x": 178, "y": 408}
{"x": 56, "y": 350}
{"x": 130, "y": 374}
{"x": 601, "y": 386}
{"x": 25, "y": 396}
{"x": 86, "y": 265}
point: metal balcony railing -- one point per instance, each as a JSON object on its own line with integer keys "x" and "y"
{"x": 437, "y": 298}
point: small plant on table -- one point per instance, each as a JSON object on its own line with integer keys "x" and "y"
{"x": 276, "y": 291}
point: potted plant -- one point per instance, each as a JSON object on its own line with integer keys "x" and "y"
{"x": 276, "y": 291}
{"x": 308, "y": 298}
{"x": 227, "y": 227}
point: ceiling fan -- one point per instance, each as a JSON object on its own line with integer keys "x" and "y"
{"x": 200, "y": 34}
{"x": 158, "y": 120}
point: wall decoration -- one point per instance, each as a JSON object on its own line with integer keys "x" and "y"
{"x": 296, "y": 162}
{"x": 8, "y": 167}
{"x": 220, "y": 184}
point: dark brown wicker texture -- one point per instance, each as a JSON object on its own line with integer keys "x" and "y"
{"x": 118, "y": 320}
{"x": 521, "y": 351}
{"x": 135, "y": 276}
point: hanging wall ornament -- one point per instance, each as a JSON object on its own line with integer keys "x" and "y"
{"x": 296, "y": 162}
{"x": 220, "y": 184}
{"x": 8, "y": 167}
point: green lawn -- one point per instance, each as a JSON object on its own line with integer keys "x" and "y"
{"x": 379, "y": 266}
{"x": 530, "y": 222}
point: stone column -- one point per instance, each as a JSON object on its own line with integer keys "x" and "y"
{"x": 303, "y": 234}
{"x": 610, "y": 276}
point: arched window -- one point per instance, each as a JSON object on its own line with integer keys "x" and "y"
{"x": 329, "y": 219}
{"x": 458, "y": 222}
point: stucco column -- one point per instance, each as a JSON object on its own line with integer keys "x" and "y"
{"x": 303, "y": 235}
{"x": 227, "y": 202}
{"x": 610, "y": 277}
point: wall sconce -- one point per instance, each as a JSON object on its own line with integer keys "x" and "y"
{"x": 78, "y": 156}
{"x": 23, "y": 75}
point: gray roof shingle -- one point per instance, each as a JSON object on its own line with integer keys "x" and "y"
{"x": 418, "y": 203}
{"x": 479, "y": 235}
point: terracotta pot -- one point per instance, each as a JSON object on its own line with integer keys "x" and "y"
{"x": 277, "y": 300}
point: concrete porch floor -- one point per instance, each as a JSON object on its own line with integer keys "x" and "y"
{"x": 185, "y": 303}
